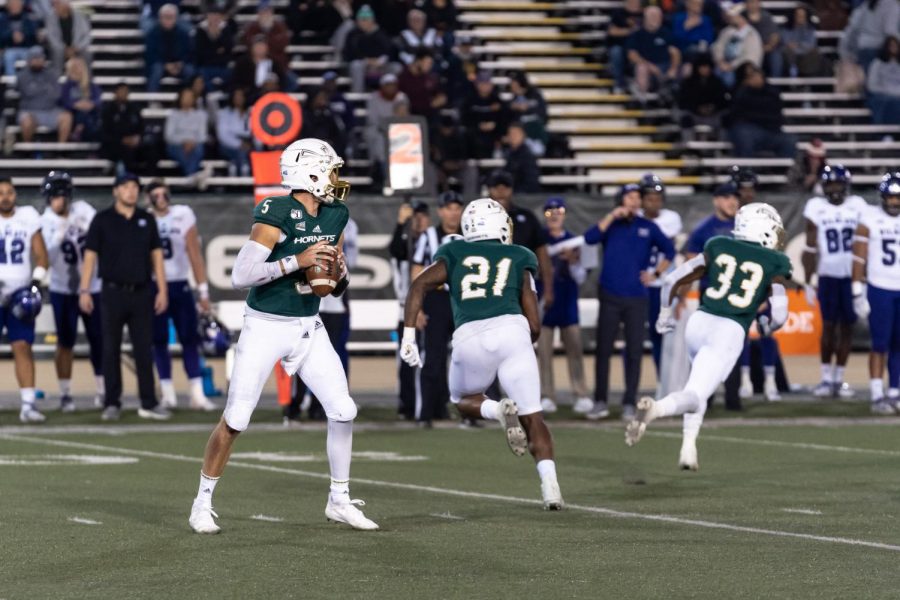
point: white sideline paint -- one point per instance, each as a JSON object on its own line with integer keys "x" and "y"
{"x": 267, "y": 518}
{"x": 46, "y": 460}
{"x": 289, "y": 457}
{"x": 84, "y": 521}
{"x": 802, "y": 511}
{"x": 781, "y": 444}
{"x": 447, "y": 515}
{"x": 477, "y": 495}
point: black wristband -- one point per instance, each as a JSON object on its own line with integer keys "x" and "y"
{"x": 341, "y": 287}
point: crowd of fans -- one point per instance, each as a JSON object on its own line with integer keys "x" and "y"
{"x": 710, "y": 60}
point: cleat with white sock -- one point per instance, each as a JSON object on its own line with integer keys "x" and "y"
{"x": 168, "y": 399}
{"x": 553, "y": 499}
{"x": 583, "y": 405}
{"x": 158, "y": 413}
{"x": 772, "y": 394}
{"x": 882, "y": 407}
{"x": 843, "y": 390}
{"x": 201, "y": 402}
{"x": 823, "y": 390}
{"x": 548, "y": 405}
{"x": 346, "y": 512}
{"x": 687, "y": 460}
{"x": 746, "y": 390}
{"x": 66, "y": 404}
{"x": 644, "y": 415}
{"x": 29, "y": 414}
{"x": 202, "y": 520}
{"x": 508, "y": 415}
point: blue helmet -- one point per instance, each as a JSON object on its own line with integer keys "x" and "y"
{"x": 214, "y": 337}
{"x": 835, "y": 174}
{"x": 57, "y": 183}
{"x": 651, "y": 184}
{"x": 890, "y": 187}
{"x": 25, "y": 303}
{"x": 743, "y": 177}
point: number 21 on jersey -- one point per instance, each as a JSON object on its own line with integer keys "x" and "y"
{"x": 752, "y": 275}
{"x": 476, "y": 284}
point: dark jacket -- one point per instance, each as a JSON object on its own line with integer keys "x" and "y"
{"x": 420, "y": 89}
{"x": 366, "y": 45}
{"x": 324, "y": 125}
{"x": 21, "y": 22}
{"x": 215, "y": 52}
{"x": 696, "y": 92}
{"x": 758, "y": 106}
{"x": 278, "y": 38}
{"x": 522, "y": 165}
{"x": 175, "y": 45}
{"x": 317, "y": 16}
{"x": 244, "y": 75}
{"x": 119, "y": 121}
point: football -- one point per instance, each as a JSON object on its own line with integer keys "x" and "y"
{"x": 323, "y": 277}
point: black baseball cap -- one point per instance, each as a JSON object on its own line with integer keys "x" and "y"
{"x": 500, "y": 177}
{"x": 126, "y": 177}
{"x": 450, "y": 197}
{"x": 420, "y": 207}
{"x": 725, "y": 189}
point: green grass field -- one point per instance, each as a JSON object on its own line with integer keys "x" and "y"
{"x": 777, "y": 511}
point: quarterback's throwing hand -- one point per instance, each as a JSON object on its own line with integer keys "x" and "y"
{"x": 318, "y": 253}
{"x": 409, "y": 351}
{"x": 666, "y": 322}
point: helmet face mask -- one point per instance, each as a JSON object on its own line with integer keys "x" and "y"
{"x": 835, "y": 182}
{"x": 760, "y": 223}
{"x": 57, "y": 184}
{"x": 890, "y": 193}
{"x": 311, "y": 165}
{"x": 485, "y": 219}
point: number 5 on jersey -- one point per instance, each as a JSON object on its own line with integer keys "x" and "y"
{"x": 475, "y": 284}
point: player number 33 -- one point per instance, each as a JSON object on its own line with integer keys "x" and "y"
{"x": 474, "y": 285}
{"x": 750, "y": 280}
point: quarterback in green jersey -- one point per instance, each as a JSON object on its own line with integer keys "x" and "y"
{"x": 743, "y": 273}
{"x": 495, "y": 311}
{"x": 290, "y": 233}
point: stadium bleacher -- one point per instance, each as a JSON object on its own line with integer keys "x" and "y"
{"x": 613, "y": 137}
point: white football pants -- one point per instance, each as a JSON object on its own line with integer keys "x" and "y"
{"x": 302, "y": 346}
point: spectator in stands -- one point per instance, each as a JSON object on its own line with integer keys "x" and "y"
{"x": 169, "y": 50}
{"x": 737, "y": 44}
{"x": 703, "y": 96}
{"x": 215, "y": 46}
{"x": 656, "y": 60}
{"x": 756, "y": 118}
{"x": 123, "y": 127}
{"x": 623, "y": 22}
{"x": 765, "y": 26}
{"x": 417, "y": 35}
{"x": 870, "y": 24}
{"x": 321, "y": 18}
{"x": 275, "y": 33}
{"x": 692, "y": 31}
{"x": 379, "y": 107}
{"x": 39, "y": 99}
{"x": 485, "y": 115}
{"x": 883, "y": 83}
{"x": 150, "y": 13}
{"x": 529, "y": 108}
{"x": 18, "y": 33}
{"x": 81, "y": 97}
{"x": 442, "y": 16}
{"x": 320, "y": 122}
{"x": 68, "y": 34}
{"x": 186, "y": 133}
{"x": 520, "y": 161}
{"x": 233, "y": 133}
{"x": 422, "y": 86}
{"x": 253, "y": 70}
{"x": 459, "y": 68}
{"x": 337, "y": 101}
{"x": 448, "y": 151}
{"x": 367, "y": 50}
{"x": 799, "y": 45}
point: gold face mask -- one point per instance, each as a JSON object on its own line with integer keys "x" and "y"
{"x": 337, "y": 189}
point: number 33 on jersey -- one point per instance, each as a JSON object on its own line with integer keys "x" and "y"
{"x": 485, "y": 278}
{"x": 740, "y": 274}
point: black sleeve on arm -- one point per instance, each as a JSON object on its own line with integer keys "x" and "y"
{"x": 399, "y": 247}
{"x": 154, "y": 233}
{"x": 93, "y": 235}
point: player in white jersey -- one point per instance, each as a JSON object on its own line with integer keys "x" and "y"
{"x": 23, "y": 264}
{"x": 876, "y": 259}
{"x": 181, "y": 252}
{"x": 830, "y": 224}
{"x": 64, "y": 227}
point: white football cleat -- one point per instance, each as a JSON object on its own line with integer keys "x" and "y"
{"x": 746, "y": 389}
{"x": 844, "y": 390}
{"x": 508, "y": 415}
{"x": 29, "y": 414}
{"x": 823, "y": 390}
{"x": 552, "y": 496}
{"x": 99, "y": 400}
{"x": 548, "y": 405}
{"x": 583, "y": 405}
{"x": 687, "y": 460}
{"x": 346, "y": 512}
{"x": 168, "y": 399}
{"x": 202, "y": 520}
{"x": 635, "y": 429}
{"x": 882, "y": 407}
{"x": 772, "y": 394}
{"x": 201, "y": 402}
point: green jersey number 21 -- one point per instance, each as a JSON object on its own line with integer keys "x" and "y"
{"x": 752, "y": 276}
{"x": 476, "y": 284}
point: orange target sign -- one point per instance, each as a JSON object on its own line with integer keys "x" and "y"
{"x": 276, "y": 119}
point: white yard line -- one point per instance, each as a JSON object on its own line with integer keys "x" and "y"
{"x": 778, "y": 443}
{"x": 447, "y": 515}
{"x": 802, "y": 511}
{"x": 480, "y": 496}
{"x": 267, "y": 518}
{"x": 82, "y": 521}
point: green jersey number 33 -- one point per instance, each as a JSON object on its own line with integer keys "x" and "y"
{"x": 751, "y": 276}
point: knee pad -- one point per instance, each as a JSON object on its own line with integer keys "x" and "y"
{"x": 343, "y": 410}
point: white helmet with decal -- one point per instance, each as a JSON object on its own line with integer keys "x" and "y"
{"x": 311, "y": 165}
{"x": 485, "y": 219}
{"x": 760, "y": 223}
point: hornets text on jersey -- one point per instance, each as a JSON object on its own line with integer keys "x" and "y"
{"x": 485, "y": 278}
{"x": 740, "y": 274}
{"x": 291, "y": 296}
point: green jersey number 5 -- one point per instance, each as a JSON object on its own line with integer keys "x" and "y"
{"x": 751, "y": 277}
{"x": 475, "y": 284}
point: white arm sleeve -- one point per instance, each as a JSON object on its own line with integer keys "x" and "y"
{"x": 778, "y": 301}
{"x": 251, "y": 269}
{"x": 686, "y": 268}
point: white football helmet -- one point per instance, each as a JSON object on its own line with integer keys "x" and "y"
{"x": 760, "y": 223}
{"x": 486, "y": 219}
{"x": 311, "y": 165}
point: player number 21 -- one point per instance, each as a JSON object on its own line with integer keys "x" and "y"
{"x": 750, "y": 283}
{"x": 474, "y": 285}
